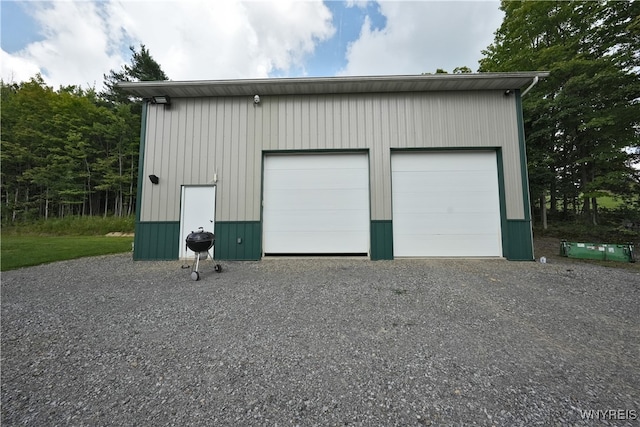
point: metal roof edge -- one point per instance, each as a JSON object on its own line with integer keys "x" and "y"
{"x": 337, "y": 84}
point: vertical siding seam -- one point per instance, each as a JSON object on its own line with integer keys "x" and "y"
{"x": 235, "y": 155}
{"x": 141, "y": 160}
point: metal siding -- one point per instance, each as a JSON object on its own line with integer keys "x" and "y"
{"x": 184, "y": 154}
{"x": 519, "y": 241}
{"x": 227, "y": 235}
{"x": 175, "y": 165}
{"x": 204, "y": 147}
{"x": 156, "y": 240}
{"x": 462, "y": 120}
{"x": 195, "y": 138}
{"x": 250, "y": 167}
{"x": 381, "y": 240}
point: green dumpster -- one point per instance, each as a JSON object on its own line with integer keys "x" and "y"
{"x": 599, "y": 251}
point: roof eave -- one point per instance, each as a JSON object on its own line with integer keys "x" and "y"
{"x": 333, "y": 85}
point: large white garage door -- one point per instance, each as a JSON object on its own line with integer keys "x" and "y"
{"x": 316, "y": 204}
{"x": 446, "y": 204}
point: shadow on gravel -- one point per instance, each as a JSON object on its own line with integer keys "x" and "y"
{"x": 111, "y": 342}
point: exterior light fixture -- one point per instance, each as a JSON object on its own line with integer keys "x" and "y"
{"x": 161, "y": 99}
{"x": 256, "y": 99}
{"x": 154, "y": 179}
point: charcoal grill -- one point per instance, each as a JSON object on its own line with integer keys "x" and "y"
{"x": 201, "y": 242}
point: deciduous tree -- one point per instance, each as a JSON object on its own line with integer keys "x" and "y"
{"x": 583, "y": 122}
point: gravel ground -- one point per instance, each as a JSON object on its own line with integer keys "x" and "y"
{"x": 106, "y": 341}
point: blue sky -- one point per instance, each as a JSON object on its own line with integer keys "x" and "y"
{"x": 77, "y": 42}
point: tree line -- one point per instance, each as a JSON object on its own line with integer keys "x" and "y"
{"x": 582, "y": 123}
{"x": 72, "y": 151}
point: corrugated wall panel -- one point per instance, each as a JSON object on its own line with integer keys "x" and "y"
{"x": 197, "y": 137}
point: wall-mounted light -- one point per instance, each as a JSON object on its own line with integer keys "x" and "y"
{"x": 507, "y": 92}
{"x": 154, "y": 179}
{"x": 256, "y": 99}
{"x": 161, "y": 99}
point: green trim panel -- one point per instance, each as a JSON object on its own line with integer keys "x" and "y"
{"x": 143, "y": 136}
{"x": 156, "y": 240}
{"x": 503, "y": 204}
{"x": 238, "y": 240}
{"x": 522, "y": 146}
{"x": 518, "y": 242}
{"x": 381, "y": 239}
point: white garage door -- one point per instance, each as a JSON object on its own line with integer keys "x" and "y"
{"x": 446, "y": 204}
{"x": 316, "y": 204}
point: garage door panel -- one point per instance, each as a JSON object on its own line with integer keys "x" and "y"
{"x": 455, "y": 180}
{"x": 450, "y": 246}
{"x": 310, "y": 161}
{"x": 316, "y": 203}
{"x": 323, "y": 242}
{"x": 439, "y": 161}
{"x": 442, "y": 202}
{"x": 301, "y": 220}
{"x": 338, "y": 179}
{"x": 443, "y": 223}
{"x": 312, "y": 199}
{"x": 446, "y": 204}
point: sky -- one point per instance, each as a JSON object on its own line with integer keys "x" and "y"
{"x": 78, "y": 42}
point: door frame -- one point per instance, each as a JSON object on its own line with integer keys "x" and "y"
{"x": 183, "y": 251}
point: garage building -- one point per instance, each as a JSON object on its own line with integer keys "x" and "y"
{"x": 384, "y": 167}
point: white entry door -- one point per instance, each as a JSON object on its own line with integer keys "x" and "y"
{"x": 316, "y": 204}
{"x": 197, "y": 209}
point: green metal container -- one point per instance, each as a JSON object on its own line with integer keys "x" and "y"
{"x": 599, "y": 251}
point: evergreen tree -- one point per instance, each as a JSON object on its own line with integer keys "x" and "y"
{"x": 142, "y": 68}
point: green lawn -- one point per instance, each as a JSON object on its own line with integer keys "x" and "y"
{"x": 609, "y": 202}
{"x": 23, "y": 251}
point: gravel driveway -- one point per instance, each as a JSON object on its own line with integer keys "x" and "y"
{"x": 107, "y": 341}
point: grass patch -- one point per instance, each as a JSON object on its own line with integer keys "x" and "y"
{"x": 72, "y": 226}
{"x": 24, "y": 251}
{"x": 610, "y": 202}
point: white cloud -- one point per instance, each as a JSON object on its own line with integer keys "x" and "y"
{"x": 424, "y": 36}
{"x": 287, "y": 31}
{"x": 209, "y": 40}
{"x": 190, "y": 39}
{"x": 15, "y": 68}
{"x": 82, "y": 40}
{"x": 73, "y": 50}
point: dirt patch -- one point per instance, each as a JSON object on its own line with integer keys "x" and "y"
{"x": 118, "y": 234}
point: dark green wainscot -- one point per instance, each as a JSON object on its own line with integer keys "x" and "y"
{"x": 238, "y": 240}
{"x": 381, "y": 239}
{"x": 517, "y": 240}
{"x": 156, "y": 240}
